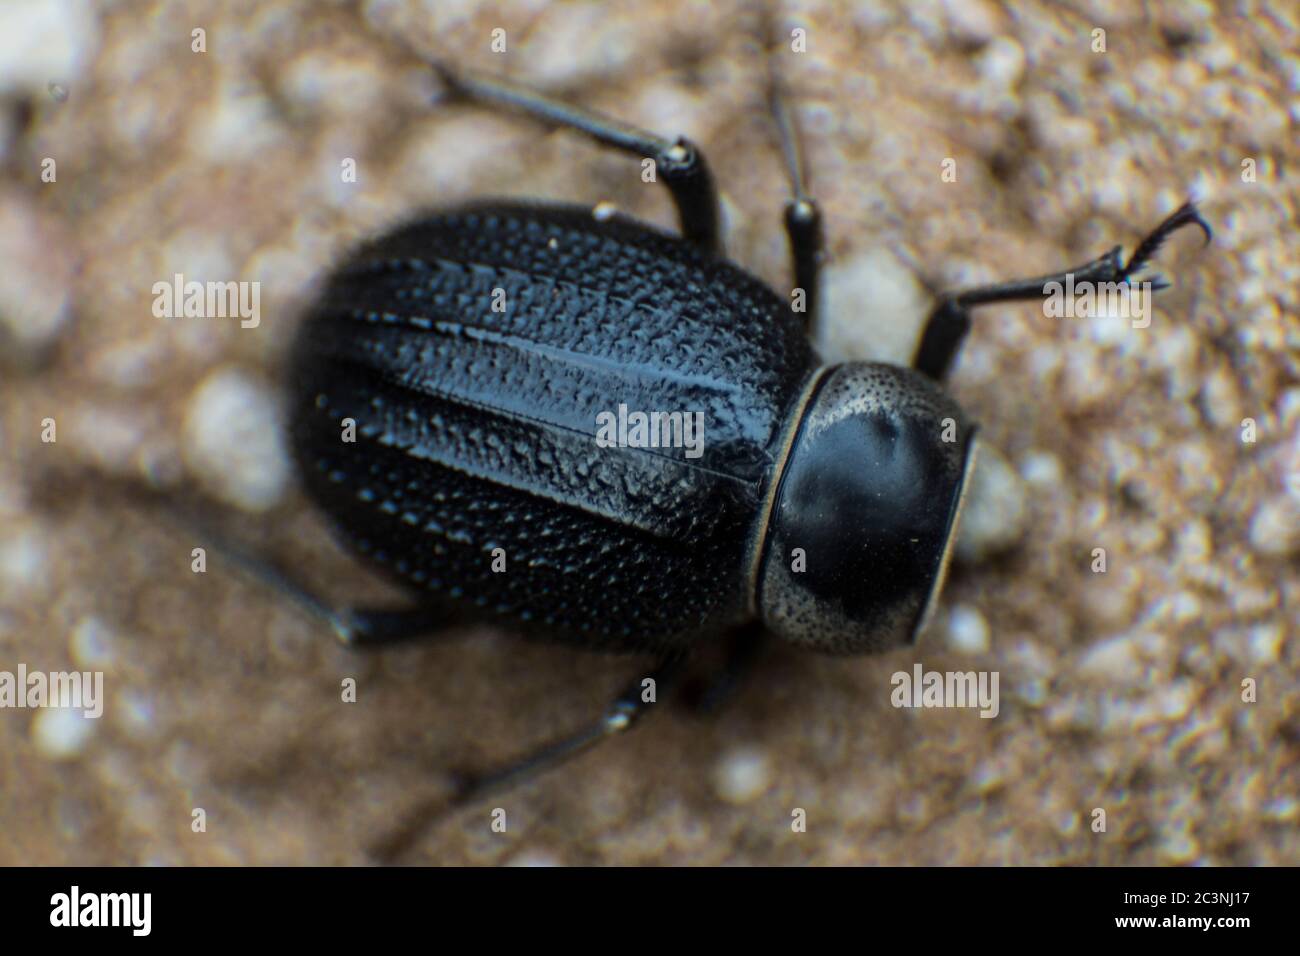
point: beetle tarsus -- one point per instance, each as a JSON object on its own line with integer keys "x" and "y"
{"x": 950, "y": 321}
{"x": 1185, "y": 215}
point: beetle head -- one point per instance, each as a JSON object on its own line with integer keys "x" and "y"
{"x": 870, "y": 496}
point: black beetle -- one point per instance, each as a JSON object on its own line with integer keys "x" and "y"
{"x": 475, "y": 350}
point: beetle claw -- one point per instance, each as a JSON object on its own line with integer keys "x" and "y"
{"x": 1185, "y": 215}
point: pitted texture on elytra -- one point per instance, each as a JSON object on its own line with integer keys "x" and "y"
{"x": 476, "y": 426}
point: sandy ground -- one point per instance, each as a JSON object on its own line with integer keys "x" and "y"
{"x": 1120, "y": 691}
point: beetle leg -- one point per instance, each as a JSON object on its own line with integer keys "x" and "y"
{"x": 358, "y": 627}
{"x": 679, "y": 162}
{"x": 950, "y": 320}
{"x": 803, "y": 224}
{"x": 941, "y": 339}
{"x": 621, "y": 714}
{"x": 803, "y": 218}
{"x": 365, "y": 627}
{"x": 354, "y": 626}
{"x": 747, "y": 643}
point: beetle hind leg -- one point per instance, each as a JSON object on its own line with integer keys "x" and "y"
{"x": 354, "y": 626}
{"x": 679, "y": 162}
{"x": 632, "y": 703}
{"x": 745, "y": 648}
{"x": 950, "y": 321}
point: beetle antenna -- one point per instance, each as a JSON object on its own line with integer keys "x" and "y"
{"x": 787, "y": 125}
{"x": 788, "y": 131}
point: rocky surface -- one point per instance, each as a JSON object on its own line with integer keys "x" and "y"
{"x": 1175, "y": 448}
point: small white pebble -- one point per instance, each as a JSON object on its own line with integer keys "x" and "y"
{"x": 967, "y": 630}
{"x": 109, "y": 437}
{"x": 130, "y": 364}
{"x": 238, "y": 122}
{"x": 603, "y": 211}
{"x": 1115, "y": 659}
{"x": 972, "y": 20}
{"x": 61, "y": 733}
{"x": 742, "y": 775}
{"x": 1178, "y": 846}
{"x": 988, "y": 776}
{"x": 994, "y": 516}
{"x": 534, "y": 858}
{"x": 136, "y": 713}
{"x": 1275, "y": 528}
{"x": 1171, "y": 702}
{"x": 233, "y": 440}
{"x": 43, "y": 39}
{"x": 1283, "y": 808}
{"x": 22, "y": 562}
{"x": 874, "y": 308}
{"x": 1266, "y": 642}
{"x": 1032, "y": 693}
{"x": 1041, "y": 468}
{"x": 1067, "y": 823}
{"x": 91, "y": 644}
{"x": 1002, "y": 62}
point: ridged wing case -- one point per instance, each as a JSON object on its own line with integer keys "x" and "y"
{"x": 476, "y": 426}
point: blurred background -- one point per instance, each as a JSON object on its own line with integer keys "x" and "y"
{"x": 133, "y": 148}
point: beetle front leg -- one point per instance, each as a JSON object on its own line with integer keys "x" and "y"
{"x": 803, "y": 224}
{"x": 679, "y": 162}
{"x": 950, "y": 321}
